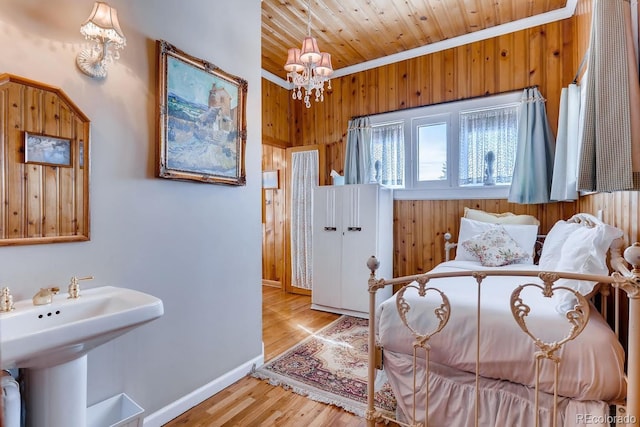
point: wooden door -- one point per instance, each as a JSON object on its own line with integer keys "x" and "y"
{"x": 321, "y": 167}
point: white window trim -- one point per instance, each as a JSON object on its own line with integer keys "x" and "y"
{"x": 495, "y": 192}
{"x": 448, "y": 190}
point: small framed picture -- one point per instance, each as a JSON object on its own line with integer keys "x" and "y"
{"x": 47, "y": 150}
{"x": 270, "y": 179}
{"x": 81, "y": 154}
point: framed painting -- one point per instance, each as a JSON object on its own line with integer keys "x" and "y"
{"x": 202, "y": 120}
{"x": 47, "y": 150}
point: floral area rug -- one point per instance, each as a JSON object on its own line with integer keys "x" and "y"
{"x": 331, "y": 367}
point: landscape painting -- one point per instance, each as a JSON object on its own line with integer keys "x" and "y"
{"x": 47, "y": 150}
{"x": 202, "y": 120}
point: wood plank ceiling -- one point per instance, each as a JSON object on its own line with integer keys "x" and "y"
{"x": 356, "y": 31}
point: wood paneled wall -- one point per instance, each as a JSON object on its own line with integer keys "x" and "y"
{"x": 42, "y": 202}
{"x": 420, "y": 226}
{"x": 276, "y": 125}
{"x": 273, "y": 217}
{"x": 544, "y": 55}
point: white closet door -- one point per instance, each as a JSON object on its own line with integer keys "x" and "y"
{"x": 359, "y": 243}
{"x": 327, "y": 246}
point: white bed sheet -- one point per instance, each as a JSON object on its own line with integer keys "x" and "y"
{"x": 592, "y": 364}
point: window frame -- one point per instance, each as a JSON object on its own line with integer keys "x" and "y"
{"x": 446, "y": 189}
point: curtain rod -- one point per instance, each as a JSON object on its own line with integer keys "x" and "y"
{"x": 581, "y": 66}
{"x": 446, "y": 102}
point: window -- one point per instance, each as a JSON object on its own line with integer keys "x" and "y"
{"x": 488, "y": 142}
{"x": 462, "y": 149}
{"x": 432, "y": 152}
{"x": 387, "y": 146}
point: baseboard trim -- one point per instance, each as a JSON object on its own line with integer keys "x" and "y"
{"x": 182, "y": 405}
{"x": 272, "y": 283}
{"x": 348, "y": 312}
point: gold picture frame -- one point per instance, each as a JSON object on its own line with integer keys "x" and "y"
{"x": 201, "y": 120}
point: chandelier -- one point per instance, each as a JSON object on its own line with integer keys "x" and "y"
{"x": 308, "y": 68}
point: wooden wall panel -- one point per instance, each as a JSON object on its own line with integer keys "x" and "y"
{"x": 619, "y": 209}
{"x": 543, "y": 55}
{"x": 14, "y": 166}
{"x": 582, "y": 18}
{"x": 273, "y": 205}
{"x": 82, "y": 217}
{"x": 276, "y": 115}
{"x": 66, "y": 193}
{"x": 41, "y": 203}
{"x": 51, "y": 175}
{"x": 420, "y": 226}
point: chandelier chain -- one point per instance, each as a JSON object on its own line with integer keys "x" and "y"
{"x": 309, "y": 18}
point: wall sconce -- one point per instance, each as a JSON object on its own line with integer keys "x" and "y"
{"x": 271, "y": 180}
{"x": 103, "y": 30}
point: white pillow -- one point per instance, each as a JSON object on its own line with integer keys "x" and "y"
{"x": 577, "y": 249}
{"x": 499, "y": 218}
{"x": 553, "y": 241}
{"x": 524, "y": 235}
{"x": 495, "y": 248}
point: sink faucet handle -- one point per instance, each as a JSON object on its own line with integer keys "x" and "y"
{"x": 74, "y": 286}
{"x": 6, "y": 300}
{"x": 45, "y": 296}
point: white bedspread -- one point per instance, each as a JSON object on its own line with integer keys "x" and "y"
{"x": 501, "y": 403}
{"x": 592, "y": 364}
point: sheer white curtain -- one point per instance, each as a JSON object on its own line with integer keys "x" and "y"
{"x": 387, "y": 147}
{"x": 304, "y": 178}
{"x": 564, "y": 185}
{"x": 483, "y": 132}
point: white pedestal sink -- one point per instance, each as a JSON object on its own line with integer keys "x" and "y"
{"x": 52, "y": 341}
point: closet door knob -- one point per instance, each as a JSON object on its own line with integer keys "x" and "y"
{"x": 354, "y": 229}
{"x": 330, "y": 229}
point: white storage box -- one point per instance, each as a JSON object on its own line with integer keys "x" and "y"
{"x": 117, "y": 411}
{"x": 338, "y": 180}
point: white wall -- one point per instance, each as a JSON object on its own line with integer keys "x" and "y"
{"x": 196, "y": 246}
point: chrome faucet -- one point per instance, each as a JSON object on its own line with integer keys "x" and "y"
{"x": 45, "y": 296}
{"x": 74, "y": 286}
{"x": 6, "y": 300}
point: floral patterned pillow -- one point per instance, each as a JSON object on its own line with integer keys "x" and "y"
{"x": 495, "y": 247}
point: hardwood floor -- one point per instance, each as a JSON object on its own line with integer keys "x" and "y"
{"x": 287, "y": 319}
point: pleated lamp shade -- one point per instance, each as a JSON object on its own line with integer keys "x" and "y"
{"x": 310, "y": 53}
{"x": 293, "y": 60}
